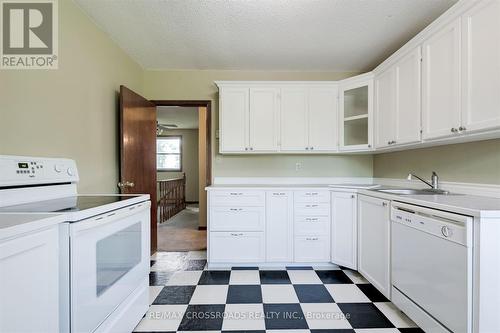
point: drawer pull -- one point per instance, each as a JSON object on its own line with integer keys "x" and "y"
{"x": 235, "y": 193}
{"x": 312, "y": 219}
{"x": 236, "y": 209}
{"x": 311, "y": 193}
{"x": 278, "y": 193}
{"x": 236, "y": 235}
{"x": 311, "y": 206}
{"x": 312, "y": 238}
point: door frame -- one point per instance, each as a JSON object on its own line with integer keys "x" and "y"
{"x": 197, "y": 103}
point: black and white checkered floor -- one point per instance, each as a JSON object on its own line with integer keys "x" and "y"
{"x": 185, "y": 296}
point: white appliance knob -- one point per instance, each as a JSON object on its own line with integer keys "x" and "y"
{"x": 58, "y": 168}
{"x": 70, "y": 172}
{"x": 446, "y": 231}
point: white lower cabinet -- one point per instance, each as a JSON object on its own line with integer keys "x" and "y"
{"x": 279, "y": 226}
{"x": 237, "y": 218}
{"x": 311, "y": 226}
{"x": 312, "y": 248}
{"x": 237, "y": 247}
{"x": 287, "y": 226}
{"x": 29, "y": 283}
{"x": 374, "y": 242}
{"x": 344, "y": 229}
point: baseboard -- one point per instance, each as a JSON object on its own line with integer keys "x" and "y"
{"x": 202, "y": 228}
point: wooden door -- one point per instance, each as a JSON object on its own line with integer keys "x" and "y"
{"x": 481, "y": 67}
{"x": 441, "y": 83}
{"x": 233, "y": 113}
{"x": 294, "y": 136}
{"x": 408, "y": 98}
{"x": 263, "y": 119}
{"x": 323, "y": 119}
{"x": 138, "y": 150}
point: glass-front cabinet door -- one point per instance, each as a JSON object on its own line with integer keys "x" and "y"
{"x": 356, "y": 113}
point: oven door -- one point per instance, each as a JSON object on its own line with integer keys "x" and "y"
{"x": 109, "y": 260}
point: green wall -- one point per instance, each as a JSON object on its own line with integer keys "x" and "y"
{"x": 473, "y": 162}
{"x": 72, "y": 111}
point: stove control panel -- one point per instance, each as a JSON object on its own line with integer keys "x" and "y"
{"x": 23, "y": 170}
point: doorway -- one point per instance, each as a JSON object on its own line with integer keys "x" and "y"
{"x": 138, "y": 156}
{"x": 183, "y": 172}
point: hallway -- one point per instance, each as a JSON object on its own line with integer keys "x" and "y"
{"x": 181, "y": 233}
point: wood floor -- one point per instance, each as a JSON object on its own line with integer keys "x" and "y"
{"x": 181, "y": 233}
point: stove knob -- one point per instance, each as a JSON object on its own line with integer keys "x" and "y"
{"x": 58, "y": 168}
{"x": 70, "y": 172}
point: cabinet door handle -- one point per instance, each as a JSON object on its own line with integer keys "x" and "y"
{"x": 462, "y": 128}
{"x": 384, "y": 204}
{"x": 454, "y": 130}
{"x": 353, "y": 196}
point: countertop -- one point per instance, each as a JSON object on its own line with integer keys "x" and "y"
{"x": 12, "y": 224}
{"x": 472, "y": 205}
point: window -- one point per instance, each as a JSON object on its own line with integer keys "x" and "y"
{"x": 169, "y": 153}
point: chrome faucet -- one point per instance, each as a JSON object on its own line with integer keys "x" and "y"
{"x": 434, "y": 184}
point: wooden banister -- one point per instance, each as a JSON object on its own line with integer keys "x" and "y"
{"x": 172, "y": 197}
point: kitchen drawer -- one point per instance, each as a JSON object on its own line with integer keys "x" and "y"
{"x": 237, "y": 247}
{"x": 312, "y": 249}
{"x": 312, "y": 225}
{"x": 237, "y": 218}
{"x": 311, "y": 196}
{"x": 312, "y": 209}
{"x": 237, "y": 197}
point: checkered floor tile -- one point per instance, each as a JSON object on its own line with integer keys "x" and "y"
{"x": 186, "y": 297}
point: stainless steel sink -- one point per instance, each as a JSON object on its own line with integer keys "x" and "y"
{"x": 413, "y": 191}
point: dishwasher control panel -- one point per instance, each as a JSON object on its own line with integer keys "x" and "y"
{"x": 432, "y": 222}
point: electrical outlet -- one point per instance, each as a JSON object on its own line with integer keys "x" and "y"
{"x": 298, "y": 166}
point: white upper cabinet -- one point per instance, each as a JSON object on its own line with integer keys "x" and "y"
{"x": 408, "y": 98}
{"x": 234, "y": 119}
{"x": 294, "y": 131}
{"x": 356, "y": 113}
{"x": 274, "y": 117}
{"x": 397, "y": 102}
{"x": 441, "y": 82}
{"x": 481, "y": 67}
{"x": 263, "y": 119}
{"x": 385, "y": 108}
{"x": 323, "y": 116}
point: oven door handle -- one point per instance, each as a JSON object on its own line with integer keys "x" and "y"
{"x": 109, "y": 217}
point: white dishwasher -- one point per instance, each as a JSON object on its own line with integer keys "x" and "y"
{"x": 432, "y": 267}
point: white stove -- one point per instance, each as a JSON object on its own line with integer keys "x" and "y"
{"x": 103, "y": 244}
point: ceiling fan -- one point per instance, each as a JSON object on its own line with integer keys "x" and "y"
{"x": 161, "y": 127}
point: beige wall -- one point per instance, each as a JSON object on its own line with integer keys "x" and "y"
{"x": 70, "y": 112}
{"x": 200, "y": 85}
{"x": 189, "y": 162}
{"x": 474, "y": 162}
